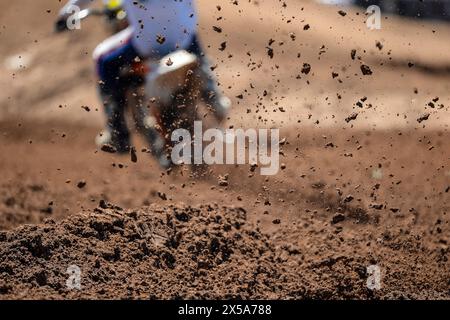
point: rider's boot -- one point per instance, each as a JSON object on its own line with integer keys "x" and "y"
{"x": 146, "y": 126}
{"x": 219, "y": 103}
{"x": 116, "y": 133}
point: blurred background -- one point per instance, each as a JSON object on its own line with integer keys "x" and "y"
{"x": 431, "y": 9}
{"x": 41, "y": 70}
{"x": 312, "y": 88}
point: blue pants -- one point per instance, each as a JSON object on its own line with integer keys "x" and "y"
{"x": 110, "y": 64}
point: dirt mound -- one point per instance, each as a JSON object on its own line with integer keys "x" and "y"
{"x": 205, "y": 252}
{"x": 174, "y": 252}
{"x": 310, "y": 232}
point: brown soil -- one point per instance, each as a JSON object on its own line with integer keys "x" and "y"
{"x": 275, "y": 238}
{"x": 371, "y": 191}
{"x": 156, "y": 252}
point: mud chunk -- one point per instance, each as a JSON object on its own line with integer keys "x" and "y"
{"x": 348, "y": 199}
{"x": 108, "y": 148}
{"x": 81, "y": 184}
{"x": 103, "y": 204}
{"x": 169, "y": 62}
{"x": 36, "y": 188}
{"x": 223, "y": 180}
{"x": 162, "y": 196}
{"x": 423, "y": 117}
{"x": 306, "y": 68}
{"x": 338, "y": 217}
{"x": 160, "y": 39}
{"x": 365, "y": 69}
{"x": 318, "y": 185}
{"x": 270, "y": 52}
{"x": 47, "y": 210}
{"x": 351, "y": 117}
{"x": 133, "y": 155}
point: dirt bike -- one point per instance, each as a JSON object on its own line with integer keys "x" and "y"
{"x": 163, "y": 94}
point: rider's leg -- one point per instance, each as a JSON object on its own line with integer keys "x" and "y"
{"x": 111, "y": 56}
{"x": 146, "y": 126}
{"x": 116, "y": 133}
{"x": 210, "y": 93}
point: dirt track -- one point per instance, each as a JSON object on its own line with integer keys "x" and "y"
{"x": 374, "y": 191}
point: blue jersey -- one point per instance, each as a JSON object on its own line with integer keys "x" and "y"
{"x": 157, "y": 25}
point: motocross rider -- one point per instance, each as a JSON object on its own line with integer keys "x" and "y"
{"x": 156, "y": 28}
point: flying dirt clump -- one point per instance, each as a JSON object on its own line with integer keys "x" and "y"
{"x": 152, "y": 253}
